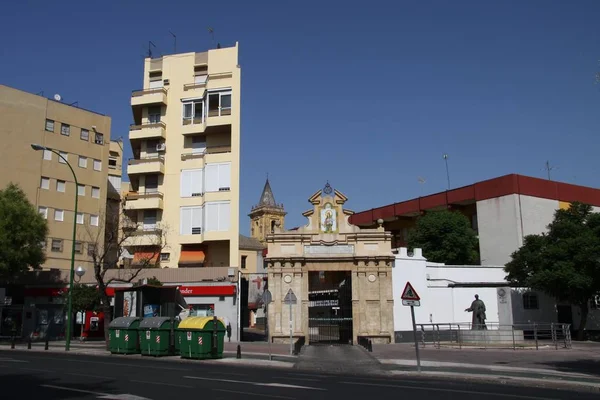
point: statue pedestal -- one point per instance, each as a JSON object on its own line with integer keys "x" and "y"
{"x": 502, "y": 336}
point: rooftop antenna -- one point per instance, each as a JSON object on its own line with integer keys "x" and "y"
{"x": 150, "y": 44}
{"x": 421, "y": 183}
{"x": 175, "y": 42}
{"x": 75, "y": 102}
{"x": 40, "y": 93}
{"x": 549, "y": 168}
{"x": 447, "y": 170}
{"x": 212, "y": 35}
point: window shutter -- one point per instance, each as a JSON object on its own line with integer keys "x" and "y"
{"x": 212, "y": 217}
{"x": 212, "y": 177}
{"x": 196, "y": 182}
{"x": 186, "y": 188}
{"x": 224, "y": 216}
{"x": 224, "y": 176}
{"x": 185, "y": 222}
{"x": 196, "y": 220}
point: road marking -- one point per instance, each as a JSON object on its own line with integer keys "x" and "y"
{"x": 162, "y": 384}
{"x": 87, "y": 375}
{"x": 34, "y": 369}
{"x": 73, "y": 390}
{"x": 254, "y": 383}
{"x": 301, "y": 379}
{"x": 252, "y": 394}
{"x": 4, "y": 359}
{"x": 516, "y": 396}
{"x": 140, "y": 365}
{"x": 100, "y": 395}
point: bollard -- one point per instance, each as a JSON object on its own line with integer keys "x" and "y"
{"x": 29, "y": 343}
{"x": 12, "y": 343}
{"x": 239, "y": 352}
{"x": 370, "y": 346}
{"x": 46, "y": 344}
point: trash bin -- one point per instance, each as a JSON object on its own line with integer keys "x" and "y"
{"x": 123, "y": 335}
{"x": 155, "y": 336}
{"x": 178, "y": 336}
{"x": 202, "y": 337}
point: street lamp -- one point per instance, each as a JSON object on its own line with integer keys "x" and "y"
{"x": 38, "y": 147}
{"x": 80, "y": 272}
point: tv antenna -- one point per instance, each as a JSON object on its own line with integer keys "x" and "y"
{"x": 150, "y": 45}
{"x": 445, "y": 156}
{"x": 175, "y": 42}
{"x": 421, "y": 181}
{"x": 549, "y": 168}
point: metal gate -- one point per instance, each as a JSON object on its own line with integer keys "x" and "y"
{"x": 330, "y": 307}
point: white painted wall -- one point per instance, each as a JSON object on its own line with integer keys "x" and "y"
{"x": 499, "y": 229}
{"x": 440, "y": 303}
{"x": 223, "y": 309}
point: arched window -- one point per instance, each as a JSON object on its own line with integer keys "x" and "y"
{"x": 273, "y": 226}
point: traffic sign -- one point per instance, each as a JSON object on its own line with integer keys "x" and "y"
{"x": 412, "y": 303}
{"x": 409, "y": 293}
{"x": 290, "y": 298}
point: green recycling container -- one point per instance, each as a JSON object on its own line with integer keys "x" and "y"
{"x": 155, "y": 336}
{"x": 178, "y": 336}
{"x": 200, "y": 335}
{"x": 123, "y": 335}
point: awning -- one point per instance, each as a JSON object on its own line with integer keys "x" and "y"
{"x": 192, "y": 257}
{"x": 146, "y": 258}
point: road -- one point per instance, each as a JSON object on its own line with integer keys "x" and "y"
{"x": 55, "y": 376}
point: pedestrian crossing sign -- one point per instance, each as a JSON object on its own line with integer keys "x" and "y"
{"x": 409, "y": 293}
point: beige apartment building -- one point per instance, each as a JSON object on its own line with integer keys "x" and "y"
{"x": 82, "y": 137}
{"x": 184, "y": 174}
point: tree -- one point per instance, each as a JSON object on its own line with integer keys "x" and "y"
{"x": 445, "y": 237}
{"x": 108, "y": 247}
{"x": 154, "y": 281}
{"x": 22, "y": 233}
{"x": 563, "y": 262}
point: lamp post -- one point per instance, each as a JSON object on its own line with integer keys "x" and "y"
{"x": 80, "y": 272}
{"x": 38, "y": 147}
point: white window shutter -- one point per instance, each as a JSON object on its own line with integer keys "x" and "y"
{"x": 224, "y": 216}
{"x": 185, "y": 222}
{"x": 196, "y": 217}
{"x": 225, "y": 175}
{"x": 212, "y": 217}
{"x": 211, "y": 180}
{"x": 186, "y": 189}
{"x": 196, "y": 182}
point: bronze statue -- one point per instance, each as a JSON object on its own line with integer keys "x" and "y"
{"x": 478, "y": 310}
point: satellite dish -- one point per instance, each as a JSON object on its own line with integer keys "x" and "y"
{"x": 57, "y": 97}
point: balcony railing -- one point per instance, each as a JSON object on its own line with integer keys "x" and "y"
{"x": 208, "y": 150}
{"x": 149, "y": 96}
{"x": 147, "y": 131}
{"x": 144, "y": 195}
{"x": 143, "y": 92}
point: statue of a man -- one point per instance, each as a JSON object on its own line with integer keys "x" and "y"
{"x": 478, "y": 310}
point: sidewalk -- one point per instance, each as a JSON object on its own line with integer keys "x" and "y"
{"x": 252, "y": 352}
{"x": 578, "y": 365}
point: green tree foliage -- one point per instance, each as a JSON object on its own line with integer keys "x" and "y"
{"x": 22, "y": 233}
{"x": 564, "y": 262}
{"x": 445, "y": 237}
{"x": 85, "y": 298}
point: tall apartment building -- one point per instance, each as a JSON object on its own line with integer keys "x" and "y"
{"x": 83, "y": 138}
{"x": 184, "y": 174}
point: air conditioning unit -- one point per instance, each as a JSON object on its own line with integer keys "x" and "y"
{"x": 161, "y": 147}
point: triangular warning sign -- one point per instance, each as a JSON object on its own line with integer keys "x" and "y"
{"x": 409, "y": 293}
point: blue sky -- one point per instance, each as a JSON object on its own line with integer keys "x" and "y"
{"x": 367, "y": 95}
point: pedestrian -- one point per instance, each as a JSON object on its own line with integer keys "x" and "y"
{"x": 229, "y": 331}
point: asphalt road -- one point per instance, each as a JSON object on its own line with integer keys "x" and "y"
{"x": 61, "y": 376}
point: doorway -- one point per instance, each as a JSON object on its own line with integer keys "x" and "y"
{"x": 330, "y": 307}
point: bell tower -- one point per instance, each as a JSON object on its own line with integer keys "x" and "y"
{"x": 265, "y": 215}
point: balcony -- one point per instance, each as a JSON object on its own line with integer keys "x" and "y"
{"x": 149, "y": 96}
{"x": 208, "y": 152}
{"x": 139, "y": 235}
{"x": 148, "y": 131}
{"x": 195, "y": 90}
{"x": 146, "y": 165}
{"x": 144, "y": 201}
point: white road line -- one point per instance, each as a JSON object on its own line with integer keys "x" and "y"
{"x": 4, "y": 359}
{"x": 311, "y": 375}
{"x": 516, "y": 396}
{"x": 162, "y": 384}
{"x": 301, "y": 379}
{"x": 253, "y": 383}
{"x": 74, "y": 390}
{"x": 252, "y": 394}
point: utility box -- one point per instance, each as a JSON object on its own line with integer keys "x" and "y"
{"x": 202, "y": 337}
{"x": 157, "y": 336}
{"x": 123, "y": 335}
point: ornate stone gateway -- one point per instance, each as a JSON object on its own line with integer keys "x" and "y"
{"x": 341, "y": 275}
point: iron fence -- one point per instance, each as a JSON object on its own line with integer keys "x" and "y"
{"x": 495, "y": 335}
